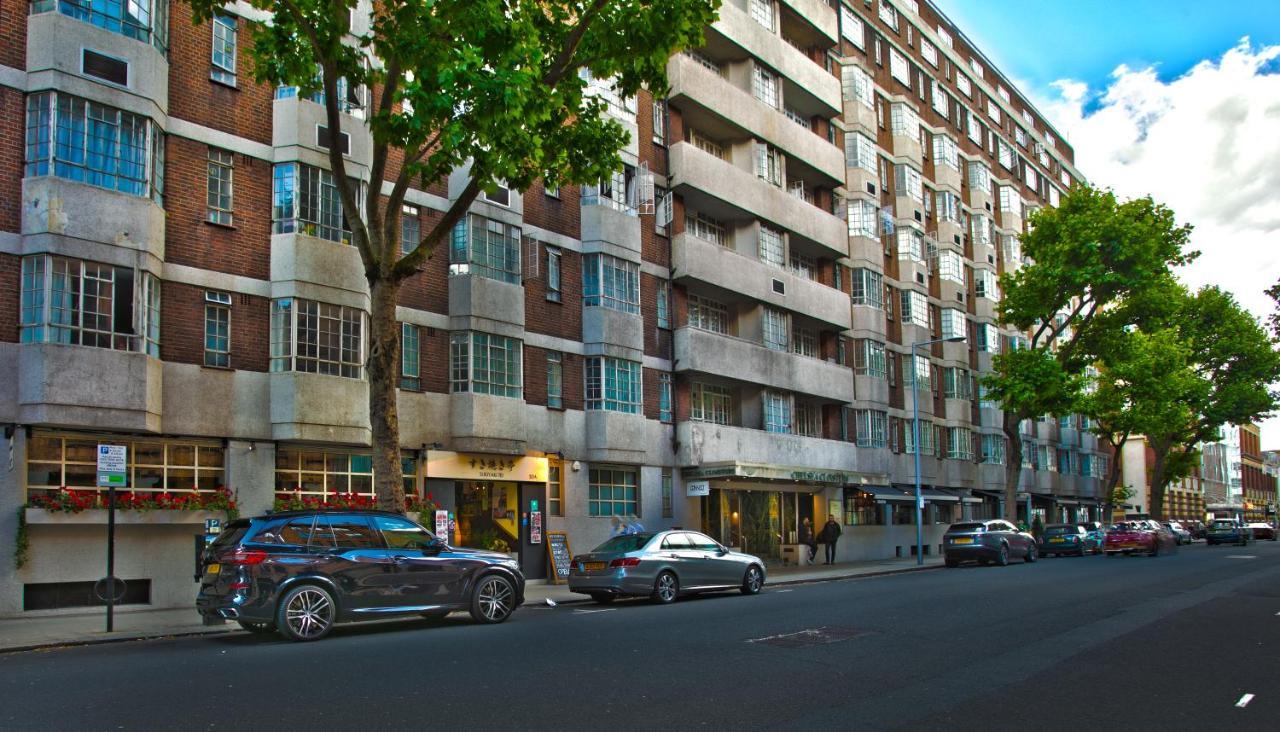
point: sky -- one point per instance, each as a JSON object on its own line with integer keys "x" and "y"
{"x": 1176, "y": 99}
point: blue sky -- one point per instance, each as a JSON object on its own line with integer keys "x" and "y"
{"x": 1041, "y": 41}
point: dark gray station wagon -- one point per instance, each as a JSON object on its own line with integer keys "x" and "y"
{"x": 987, "y": 541}
{"x": 301, "y": 572}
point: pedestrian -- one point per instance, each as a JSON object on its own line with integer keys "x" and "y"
{"x": 633, "y": 525}
{"x": 619, "y": 528}
{"x": 829, "y": 535}
{"x": 806, "y": 538}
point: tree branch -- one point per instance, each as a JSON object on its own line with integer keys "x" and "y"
{"x": 564, "y": 61}
{"x": 409, "y": 264}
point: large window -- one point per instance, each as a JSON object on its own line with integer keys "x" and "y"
{"x": 707, "y": 314}
{"x": 485, "y": 247}
{"x": 613, "y": 492}
{"x": 959, "y": 444}
{"x": 710, "y": 403}
{"x": 764, "y": 85}
{"x": 898, "y": 66}
{"x": 859, "y": 152}
{"x": 410, "y": 354}
{"x": 869, "y": 358}
{"x": 808, "y": 422}
{"x": 221, "y": 166}
{"x": 92, "y": 143}
{"x": 768, "y": 164}
{"x": 857, "y": 85}
{"x": 305, "y": 200}
{"x": 224, "y": 49}
{"x": 864, "y": 218}
{"x": 771, "y": 246}
{"x": 762, "y": 12}
{"x": 867, "y": 288}
{"x": 986, "y": 284}
{"x": 928, "y": 437}
{"x": 915, "y": 309}
{"x": 555, "y": 379}
{"x": 704, "y": 227}
{"x": 777, "y": 328}
{"x": 71, "y": 301}
{"x": 988, "y": 338}
{"x": 954, "y": 324}
{"x": 152, "y": 465}
{"x": 142, "y": 20}
{"x": 777, "y": 412}
{"x": 871, "y": 427}
{"x": 617, "y": 191}
{"x": 613, "y": 384}
{"x": 921, "y": 370}
{"x": 317, "y": 338}
{"x": 317, "y": 474}
{"x": 485, "y": 363}
{"x": 910, "y": 183}
{"x": 951, "y": 266}
{"x": 804, "y": 341}
{"x": 956, "y": 383}
{"x": 904, "y": 121}
{"x": 861, "y": 509}
{"x": 610, "y": 282}
{"x": 217, "y": 329}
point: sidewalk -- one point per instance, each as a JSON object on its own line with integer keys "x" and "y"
{"x": 27, "y": 632}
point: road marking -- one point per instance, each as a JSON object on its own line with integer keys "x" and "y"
{"x": 1241, "y": 556}
{"x": 1244, "y": 701}
{"x": 776, "y": 591}
{"x": 580, "y": 611}
{"x": 807, "y": 631}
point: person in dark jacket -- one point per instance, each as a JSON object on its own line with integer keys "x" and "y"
{"x": 829, "y": 535}
{"x": 806, "y": 538}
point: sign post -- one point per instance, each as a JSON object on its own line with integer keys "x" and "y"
{"x": 112, "y": 468}
{"x": 559, "y": 555}
{"x": 442, "y": 525}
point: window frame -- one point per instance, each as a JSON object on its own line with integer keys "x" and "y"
{"x": 464, "y": 345}
{"x": 223, "y": 70}
{"x": 217, "y": 304}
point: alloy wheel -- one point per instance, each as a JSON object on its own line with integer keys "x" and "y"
{"x": 666, "y": 587}
{"x": 753, "y": 582}
{"x": 309, "y": 613}
{"x": 495, "y": 599}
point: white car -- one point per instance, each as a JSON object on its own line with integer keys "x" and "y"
{"x": 1180, "y": 533}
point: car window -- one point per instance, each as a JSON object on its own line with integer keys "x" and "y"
{"x": 402, "y": 533}
{"x": 675, "y": 541}
{"x": 702, "y": 542}
{"x": 352, "y": 531}
{"x": 957, "y": 528}
{"x": 624, "y": 543}
{"x": 294, "y": 532}
{"x": 231, "y": 534}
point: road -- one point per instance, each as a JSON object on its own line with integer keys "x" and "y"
{"x": 1093, "y": 643}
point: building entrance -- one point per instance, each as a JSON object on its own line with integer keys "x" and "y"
{"x": 759, "y": 522}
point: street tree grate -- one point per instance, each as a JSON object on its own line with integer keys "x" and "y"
{"x": 822, "y": 636}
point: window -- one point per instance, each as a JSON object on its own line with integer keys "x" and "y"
{"x": 555, "y": 491}
{"x": 761, "y": 11}
{"x": 956, "y": 383}
{"x": 915, "y": 309}
{"x": 1006, "y": 154}
{"x": 487, "y": 248}
{"x": 224, "y": 49}
{"x": 947, "y": 206}
{"x": 308, "y": 473}
{"x": 776, "y": 328}
{"x": 659, "y": 122}
{"x": 710, "y": 403}
{"x": 861, "y": 509}
{"x": 806, "y": 267}
{"x": 555, "y": 380}
{"x": 857, "y": 86}
{"x": 860, "y": 152}
{"x": 869, "y": 358}
{"x": 867, "y": 288}
{"x": 664, "y": 304}
{"x": 612, "y": 492}
{"x": 315, "y": 337}
{"x": 988, "y": 338}
{"x": 904, "y": 121}
{"x": 771, "y": 246}
{"x": 768, "y": 164}
{"x": 864, "y": 218}
{"x": 618, "y": 191}
{"x": 704, "y": 227}
{"x": 613, "y": 384}
{"x": 553, "y": 274}
{"x": 92, "y": 143}
{"x": 889, "y": 14}
{"x": 142, "y": 20}
{"x": 980, "y": 177}
{"x": 664, "y": 398}
{"x": 152, "y": 465}
{"x": 870, "y": 428}
{"x": 951, "y": 266}
{"x": 899, "y": 68}
{"x": 941, "y": 101}
{"x": 928, "y": 437}
{"x": 1064, "y": 461}
{"x": 959, "y": 444}
{"x": 777, "y": 412}
{"x": 851, "y": 27}
{"x": 410, "y": 229}
{"x": 217, "y": 329}
{"x": 610, "y": 282}
{"x": 83, "y": 303}
{"x": 922, "y": 371}
{"x": 707, "y": 314}
{"x": 808, "y": 422}
{"x": 221, "y": 165}
{"x": 764, "y": 85}
{"x": 306, "y": 201}
{"x": 706, "y": 144}
{"x": 663, "y": 209}
{"x": 485, "y": 363}
{"x": 985, "y": 284}
{"x": 953, "y": 323}
{"x": 804, "y": 341}
{"x": 909, "y": 182}
{"x": 946, "y": 152}
{"x": 409, "y": 355}
{"x": 929, "y": 52}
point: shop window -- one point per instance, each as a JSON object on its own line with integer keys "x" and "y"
{"x": 613, "y": 492}
{"x": 861, "y": 509}
{"x": 323, "y": 475}
{"x": 153, "y": 466}
{"x": 555, "y": 491}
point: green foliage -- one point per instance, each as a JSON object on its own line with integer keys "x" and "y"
{"x": 21, "y": 542}
{"x": 1120, "y": 494}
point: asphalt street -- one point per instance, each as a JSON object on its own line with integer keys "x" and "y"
{"x": 1130, "y": 643}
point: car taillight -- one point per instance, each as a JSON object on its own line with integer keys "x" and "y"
{"x": 624, "y": 562}
{"x": 239, "y": 585}
{"x": 244, "y": 556}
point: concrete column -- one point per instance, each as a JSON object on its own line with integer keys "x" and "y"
{"x": 251, "y": 473}
{"x": 13, "y": 469}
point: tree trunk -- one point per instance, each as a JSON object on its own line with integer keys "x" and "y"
{"x": 1158, "y": 480}
{"x": 1113, "y": 480}
{"x": 1012, "y": 465}
{"x": 384, "y": 371}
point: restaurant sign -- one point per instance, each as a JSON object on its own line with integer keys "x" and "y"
{"x": 478, "y": 466}
{"x": 776, "y": 472}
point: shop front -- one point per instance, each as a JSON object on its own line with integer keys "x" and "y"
{"x": 495, "y": 502}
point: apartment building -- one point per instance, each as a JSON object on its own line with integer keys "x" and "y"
{"x": 1257, "y": 487}
{"x": 1184, "y": 499}
{"x": 719, "y": 336}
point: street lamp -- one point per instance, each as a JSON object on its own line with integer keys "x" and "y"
{"x": 915, "y": 441}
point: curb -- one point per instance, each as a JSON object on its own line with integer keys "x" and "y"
{"x": 574, "y": 601}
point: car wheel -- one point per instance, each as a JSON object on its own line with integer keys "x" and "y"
{"x": 439, "y": 614}
{"x": 254, "y": 626}
{"x": 493, "y": 600}
{"x": 1032, "y": 554}
{"x": 952, "y": 563}
{"x": 1155, "y": 549}
{"x": 1082, "y": 551}
{"x": 604, "y": 598}
{"x": 666, "y": 588}
{"x": 753, "y": 581}
{"x": 1002, "y": 558}
{"x": 306, "y": 613}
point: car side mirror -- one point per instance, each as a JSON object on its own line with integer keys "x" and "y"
{"x": 721, "y": 551}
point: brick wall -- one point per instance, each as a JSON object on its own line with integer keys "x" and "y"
{"x": 182, "y": 327}
{"x": 657, "y": 341}
{"x": 12, "y": 114}
{"x": 10, "y": 282}
{"x": 13, "y": 34}
{"x": 244, "y": 111}
{"x": 562, "y": 319}
{"x": 561, "y": 215}
{"x": 535, "y": 378}
{"x": 429, "y": 289}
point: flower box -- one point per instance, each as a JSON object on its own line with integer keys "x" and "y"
{"x": 98, "y": 516}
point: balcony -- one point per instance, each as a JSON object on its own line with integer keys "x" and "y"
{"x": 294, "y": 124}
{"x": 604, "y": 225}
{"x": 807, "y": 76}
{"x": 79, "y": 211}
{"x": 487, "y": 423}
{"x": 819, "y": 15}
{"x": 483, "y": 303}
{"x": 697, "y": 259}
{"x": 703, "y": 443}
{"x": 92, "y": 388}
{"x": 691, "y": 80}
{"x": 693, "y": 168}
{"x": 735, "y": 358}
{"x": 320, "y": 408}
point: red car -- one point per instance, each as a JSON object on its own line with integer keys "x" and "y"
{"x": 1263, "y": 531}
{"x": 1138, "y": 537}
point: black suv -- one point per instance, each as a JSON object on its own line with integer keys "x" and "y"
{"x": 299, "y": 572}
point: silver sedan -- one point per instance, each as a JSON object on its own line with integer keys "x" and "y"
{"x": 663, "y": 566}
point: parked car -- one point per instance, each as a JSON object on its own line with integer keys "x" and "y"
{"x": 987, "y": 541}
{"x": 1262, "y": 531}
{"x": 663, "y": 565}
{"x": 1179, "y": 532}
{"x": 1195, "y": 527}
{"x": 1227, "y": 531}
{"x": 1138, "y": 537}
{"x": 1067, "y": 539}
{"x": 1097, "y": 534}
{"x": 301, "y": 572}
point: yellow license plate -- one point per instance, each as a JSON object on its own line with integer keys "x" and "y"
{"x": 1056, "y": 541}
{"x": 212, "y": 569}
{"x": 962, "y": 541}
{"x": 592, "y": 566}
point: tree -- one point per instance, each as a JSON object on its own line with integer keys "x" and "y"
{"x": 489, "y": 84}
{"x": 1086, "y": 255}
{"x": 1274, "y": 294}
{"x": 1234, "y": 364}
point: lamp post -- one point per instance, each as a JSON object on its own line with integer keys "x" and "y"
{"x": 915, "y": 441}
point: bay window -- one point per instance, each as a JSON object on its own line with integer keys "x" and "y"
{"x": 484, "y": 363}
{"x": 951, "y": 266}
{"x": 610, "y": 282}
{"x": 980, "y": 177}
{"x": 917, "y": 367}
{"x": 954, "y": 323}
{"x": 986, "y": 284}
{"x": 909, "y": 182}
{"x": 487, "y": 248}
{"x": 317, "y": 338}
{"x": 75, "y": 302}
{"x": 915, "y": 309}
{"x": 988, "y": 338}
{"x": 305, "y": 200}
{"x": 863, "y": 218}
{"x": 613, "y": 384}
{"x": 857, "y": 84}
{"x": 869, "y": 358}
{"x": 956, "y": 383}
{"x": 904, "y": 121}
{"x": 946, "y": 152}
{"x": 871, "y": 427}
{"x": 141, "y": 20}
{"x": 959, "y": 444}
{"x": 859, "y": 152}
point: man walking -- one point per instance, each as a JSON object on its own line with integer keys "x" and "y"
{"x": 829, "y": 535}
{"x": 807, "y": 540}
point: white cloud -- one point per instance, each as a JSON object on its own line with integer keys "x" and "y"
{"x": 1207, "y": 144}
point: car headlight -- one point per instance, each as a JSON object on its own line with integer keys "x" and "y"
{"x": 511, "y": 564}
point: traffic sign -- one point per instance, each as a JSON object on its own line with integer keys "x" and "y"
{"x": 112, "y": 466}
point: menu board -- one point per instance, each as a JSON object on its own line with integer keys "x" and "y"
{"x": 559, "y": 555}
